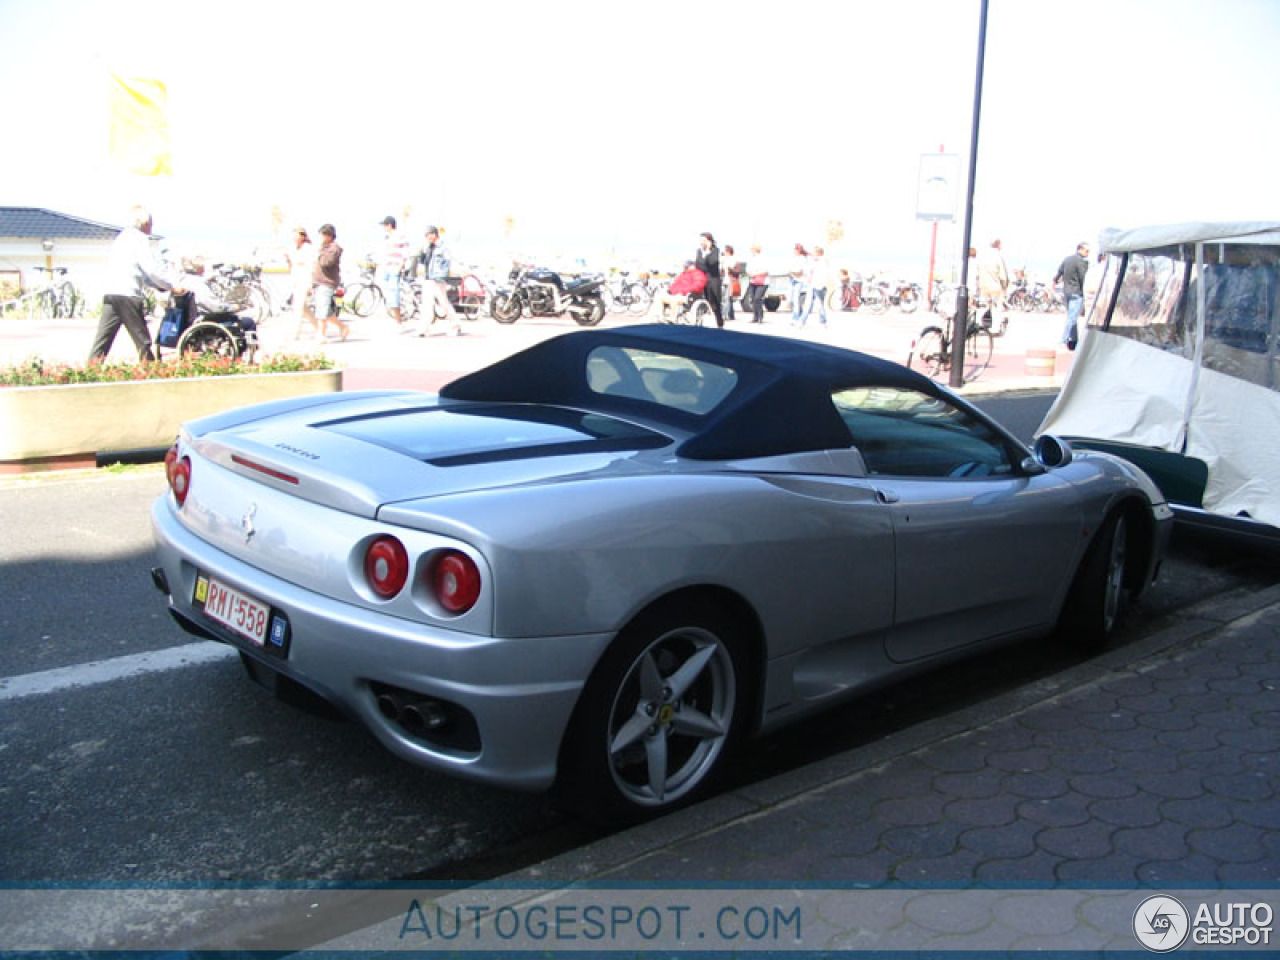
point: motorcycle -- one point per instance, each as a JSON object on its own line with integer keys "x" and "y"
{"x": 544, "y": 293}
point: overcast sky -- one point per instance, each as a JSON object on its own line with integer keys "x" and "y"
{"x": 593, "y": 126}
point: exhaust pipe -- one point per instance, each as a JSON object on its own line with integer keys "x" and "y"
{"x": 159, "y": 580}
{"x": 423, "y": 717}
{"x": 390, "y": 705}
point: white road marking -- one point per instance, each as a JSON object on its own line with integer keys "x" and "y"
{"x": 117, "y": 668}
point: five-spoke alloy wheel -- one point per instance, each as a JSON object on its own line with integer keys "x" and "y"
{"x": 660, "y": 713}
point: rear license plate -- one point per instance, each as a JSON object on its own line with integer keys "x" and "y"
{"x": 242, "y": 614}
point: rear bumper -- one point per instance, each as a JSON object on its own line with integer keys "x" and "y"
{"x": 520, "y": 692}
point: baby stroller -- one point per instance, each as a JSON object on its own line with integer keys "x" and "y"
{"x": 188, "y": 329}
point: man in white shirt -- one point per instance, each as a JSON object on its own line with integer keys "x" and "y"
{"x": 131, "y": 268}
{"x": 993, "y": 285}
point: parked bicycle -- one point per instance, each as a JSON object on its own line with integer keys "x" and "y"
{"x": 944, "y": 304}
{"x": 364, "y": 297}
{"x": 242, "y": 288}
{"x": 1033, "y": 298}
{"x": 57, "y": 298}
{"x": 906, "y": 296}
{"x": 875, "y": 295}
{"x": 932, "y": 348}
{"x": 624, "y": 295}
{"x": 846, "y": 294}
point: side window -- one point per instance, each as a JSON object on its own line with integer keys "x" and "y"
{"x": 906, "y": 433}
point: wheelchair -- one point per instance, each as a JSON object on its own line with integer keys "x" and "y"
{"x": 216, "y": 333}
{"x": 695, "y": 311}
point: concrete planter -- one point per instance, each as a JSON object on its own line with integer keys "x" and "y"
{"x": 67, "y": 425}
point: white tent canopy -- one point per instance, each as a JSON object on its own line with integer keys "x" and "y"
{"x": 1182, "y": 358}
{"x": 1113, "y": 240}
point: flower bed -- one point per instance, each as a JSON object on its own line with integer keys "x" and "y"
{"x": 55, "y": 415}
{"x": 38, "y": 373}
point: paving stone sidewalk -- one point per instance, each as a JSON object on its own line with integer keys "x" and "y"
{"x": 1037, "y": 820}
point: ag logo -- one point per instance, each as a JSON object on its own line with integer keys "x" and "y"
{"x": 1161, "y": 924}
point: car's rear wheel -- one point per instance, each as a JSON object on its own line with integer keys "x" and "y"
{"x": 662, "y": 709}
{"x": 1099, "y": 594}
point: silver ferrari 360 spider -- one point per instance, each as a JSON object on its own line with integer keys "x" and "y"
{"x": 601, "y": 563}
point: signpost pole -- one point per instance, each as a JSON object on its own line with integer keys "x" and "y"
{"x": 933, "y": 252}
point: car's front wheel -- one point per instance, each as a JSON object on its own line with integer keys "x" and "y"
{"x": 1099, "y": 594}
{"x": 661, "y": 711}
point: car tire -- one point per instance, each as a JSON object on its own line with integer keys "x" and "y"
{"x": 1099, "y": 595}
{"x": 662, "y": 710}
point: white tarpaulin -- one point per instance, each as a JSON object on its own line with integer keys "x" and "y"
{"x": 1125, "y": 389}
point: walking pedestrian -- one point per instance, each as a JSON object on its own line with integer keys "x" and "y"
{"x": 757, "y": 270}
{"x": 391, "y": 262}
{"x": 1071, "y": 274}
{"x": 799, "y": 267}
{"x": 435, "y": 291}
{"x": 816, "y": 282}
{"x": 708, "y": 261}
{"x": 302, "y": 264}
{"x": 131, "y": 269}
{"x": 325, "y": 279}
{"x": 993, "y": 285}
{"x": 731, "y": 267}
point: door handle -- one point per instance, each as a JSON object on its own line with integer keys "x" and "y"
{"x": 886, "y": 496}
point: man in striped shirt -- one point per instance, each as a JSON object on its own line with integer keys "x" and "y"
{"x": 395, "y": 250}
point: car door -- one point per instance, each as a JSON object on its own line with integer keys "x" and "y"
{"x": 982, "y": 546}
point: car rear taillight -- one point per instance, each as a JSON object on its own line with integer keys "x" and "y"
{"x": 178, "y": 472}
{"x": 455, "y": 580}
{"x": 386, "y": 567}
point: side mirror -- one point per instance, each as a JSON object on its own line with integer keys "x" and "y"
{"x": 1053, "y": 451}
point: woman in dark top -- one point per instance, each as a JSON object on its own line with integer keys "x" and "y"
{"x": 708, "y": 261}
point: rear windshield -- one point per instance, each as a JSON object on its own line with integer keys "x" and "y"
{"x": 1156, "y": 305}
{"x": 484, "y": 434}
{"x": 679, "y": 383}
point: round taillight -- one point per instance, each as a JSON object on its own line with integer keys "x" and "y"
{"x": 455, "y": 579}
{"x": 178, "y": 471}
{"x": 386, "y": 567}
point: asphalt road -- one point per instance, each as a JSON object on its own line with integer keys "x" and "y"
{"x": 122, "y": 767}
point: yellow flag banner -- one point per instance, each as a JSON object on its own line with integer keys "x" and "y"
{"x": 139, "y": 126}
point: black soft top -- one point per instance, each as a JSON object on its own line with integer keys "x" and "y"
{"x": 781, "y": 403}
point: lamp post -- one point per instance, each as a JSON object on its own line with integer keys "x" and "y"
{"x": 961, "y": 325}
{"x": 47, "y": 246}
